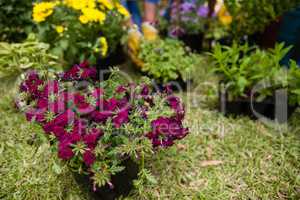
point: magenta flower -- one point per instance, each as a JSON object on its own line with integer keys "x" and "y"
{"x": 82, "y": 107}
{"x": 123, "y": 103}
{"x": 145, "y": 90}
{"x": 100, "y": 117}
{"x": 97, "y": 93}
{"x": 65, "y": 151}
{"x": 65, "y": 118}
{"x": 89, "y": 158}
{"x": 72, "y": 74}
{"x": 165, "y": 131}
{"x": 176, "y": 32}
{"x": 59, "y": 131}
{"x": 110, "y": 105}
{"x": 35, "y": 114}
{"x": 92, "y": 137}
{"x": 177, "y": 106}
{"x": 79, "y": 126}
{"x": 121, "y": 89}
{"x": 84, "y": 64}
{"x": 52, "y": 87}
{"x": 89, "y": 73}
{"x": 121, "y": 118}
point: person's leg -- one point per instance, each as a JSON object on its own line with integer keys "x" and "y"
{"x": 289, "y": 34}
{"x": 134, "y": 10}
{"x": 150, "y": 10}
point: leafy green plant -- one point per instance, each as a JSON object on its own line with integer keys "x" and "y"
{"x": 294, "y": 83}
{"x": 243, "y": 67}
{"x": 167, "y": 60}
{"x": 15, "y": 20}
{"x": 251, "y": 16}
{"x": 16, "y": 58}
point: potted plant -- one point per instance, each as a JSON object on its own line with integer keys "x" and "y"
{"x": 167, "y": 61}
{"x": 81, "y": 30}
{"x": 103, "y": 130}
{"x": 258, "y": 20}
{"x": 253, "y": 82}
{"x": 188, "y": 21}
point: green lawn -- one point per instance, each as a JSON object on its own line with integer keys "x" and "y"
{"x": 222, "y": 158}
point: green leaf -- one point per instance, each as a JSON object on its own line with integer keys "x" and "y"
{"x": 56, "y": 168}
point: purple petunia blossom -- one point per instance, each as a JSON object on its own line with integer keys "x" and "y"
{"x": 110, "y": 105}
{"x": 121, "y": 89}
{"x": 92, "y": 137}
{"x": 52, "y": 87}
{"x": 84, "y": 64}
{"x": 36, "y": 114}
{"x": 89, "y": 157}
{"x": 165, "y": 131}
{"x": 121, "y": 118}
{"x": 203, "y": 11}
{"x": 100, "y": 116}
{"x": 187, "y": 7}
{"x": 89, "y": 73}
{"x": 176, "y": 31}
{"x": 65, "y": 151}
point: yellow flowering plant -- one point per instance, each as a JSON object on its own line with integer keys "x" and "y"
{"x": 80, "y": 29}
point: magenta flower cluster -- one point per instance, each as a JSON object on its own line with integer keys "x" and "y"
{"x": 74, "y": 116}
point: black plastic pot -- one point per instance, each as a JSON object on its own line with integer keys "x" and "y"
{"x": 193, "y": 41}
{"x": 114, "y": 59}
{"x": 122, "y": 183}
{"x": 274, "y": 108}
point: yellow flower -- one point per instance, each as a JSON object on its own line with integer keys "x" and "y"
{"x": 224, "y": 16}
{"x": 122, "y": 10}
{"x": 92, "y": 15}
{"x": 42, "y": 10}
{"x": 104, "y": 46}
{"x": 83, "y": 19}
{"x": 107, "y": 4}
{"x": 59, "y": 29}
{"x": 80, "y": 4}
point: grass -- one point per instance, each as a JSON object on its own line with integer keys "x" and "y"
{"x": 222, "y": 158}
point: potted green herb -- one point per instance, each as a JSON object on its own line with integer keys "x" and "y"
{"x": 167, "y": 61}
{"x": 252, "y": 80}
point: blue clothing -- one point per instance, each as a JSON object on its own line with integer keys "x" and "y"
{"x": 133, "y": 7}
{"x": 289, "y": 33}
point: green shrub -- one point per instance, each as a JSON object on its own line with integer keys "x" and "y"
{"x": 242, "y": 68}
{"x": 15, "y": 20}
{"x": 167, "y": 60}
{"x": 15, "y": 58}
{"x": 251, "y": 16}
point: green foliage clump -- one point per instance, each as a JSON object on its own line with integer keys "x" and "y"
{"x": 242, "y": 68}
{"x": 251, "y": 16}
{"x": 15, "y": 20}
{"x": 167, "y": 60}
{"x": 16, "y": 58}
